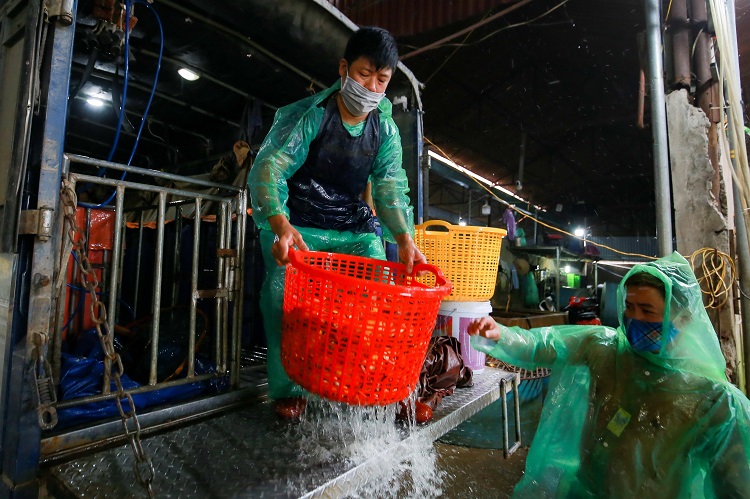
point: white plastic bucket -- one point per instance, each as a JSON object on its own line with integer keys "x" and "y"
{"x": 453, "y": 320}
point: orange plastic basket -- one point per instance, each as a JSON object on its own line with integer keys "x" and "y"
{"x": 468, "y": 256}
{"x": 355, "y": 329}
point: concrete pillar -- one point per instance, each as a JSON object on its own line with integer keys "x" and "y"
{"x": 701, "y": 220}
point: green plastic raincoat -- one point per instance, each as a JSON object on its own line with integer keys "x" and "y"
{"x": 621, "y": 423}
{"x": 286, "y": 147}
{"x": 282, "y": 153}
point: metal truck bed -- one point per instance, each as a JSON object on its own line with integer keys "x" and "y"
{"x": 249, "y": 452}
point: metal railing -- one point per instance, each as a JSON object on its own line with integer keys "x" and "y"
{"x": 179, "y": 196}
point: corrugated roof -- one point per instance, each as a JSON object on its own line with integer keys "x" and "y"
{"x": 413, "y": 17}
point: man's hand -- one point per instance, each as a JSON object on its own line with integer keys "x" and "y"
{"x": 286, "y": 237}
{"x": 408, "y": 253}
{"x": 486, "y": 326}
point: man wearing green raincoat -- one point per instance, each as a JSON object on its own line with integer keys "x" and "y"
{"x": 307, "y": 182}
{"x": 642, "y": 411}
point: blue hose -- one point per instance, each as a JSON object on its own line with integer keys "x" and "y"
{"x": 124, "y": 93}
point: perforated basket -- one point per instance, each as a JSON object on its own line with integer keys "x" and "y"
{"x": 355, "y": 329}
{"x": 468, "y": 256}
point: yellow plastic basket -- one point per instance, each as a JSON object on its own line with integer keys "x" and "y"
{"x": 468, "y": 256}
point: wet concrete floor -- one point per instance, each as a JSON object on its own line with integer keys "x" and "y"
{"x": 479, "y": 473}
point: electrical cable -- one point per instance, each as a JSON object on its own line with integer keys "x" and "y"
{"x": 512, "y": 207}
{"x": 505, "y": 28}
{"x": 451, "y": 55}
{"x": 442, "y": 41}
{"x": 717, "y": 273}
{"x": 728, "y": 69}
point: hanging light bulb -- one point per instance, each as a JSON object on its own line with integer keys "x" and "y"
{"x": 486, "y": 209}
{"x": 461, "y": 222}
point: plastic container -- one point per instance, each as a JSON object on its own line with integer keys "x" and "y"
{"x": 468, "y": 256}
{"x": 356, "y": 329}
{"x": 453, "y": 319}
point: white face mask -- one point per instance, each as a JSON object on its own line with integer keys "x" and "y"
{"x": 357, "y": 99}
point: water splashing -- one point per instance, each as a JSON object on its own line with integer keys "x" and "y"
{"x": 400, "y": 463}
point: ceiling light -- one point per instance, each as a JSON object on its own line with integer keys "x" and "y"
{"x": 567, "y": 269}
{"x": 94, "y": 102}
{"x": 579, "y": 232}
{"x": 461, "y": 222}
{"x": 188, "y": 75}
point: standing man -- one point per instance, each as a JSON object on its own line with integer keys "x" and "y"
{"x": 307, "y": 182}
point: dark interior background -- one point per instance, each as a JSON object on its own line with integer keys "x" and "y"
{"x": 550, "y": 85}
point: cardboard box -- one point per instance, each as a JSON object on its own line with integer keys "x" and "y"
{"x": 529, "y": 319}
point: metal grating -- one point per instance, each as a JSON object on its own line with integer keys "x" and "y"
{"x": 525, "y": 374}
{"x": 250, "y": 453}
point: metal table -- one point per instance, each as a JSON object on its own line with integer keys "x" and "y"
{"x": 249, "y": 452}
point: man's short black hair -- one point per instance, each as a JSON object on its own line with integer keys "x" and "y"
{"x": 646, "y": 279}
{"x": 376, "y": 44}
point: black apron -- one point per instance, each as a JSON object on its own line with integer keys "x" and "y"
{"x": 326, "y": 191}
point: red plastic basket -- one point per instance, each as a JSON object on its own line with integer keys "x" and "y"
{"x": 356, "y": 329}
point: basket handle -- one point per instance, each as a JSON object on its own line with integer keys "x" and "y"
{"x": 440, "y": 279}
{"x": 431, "y": 223}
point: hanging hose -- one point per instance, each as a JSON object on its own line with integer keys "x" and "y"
{"x": 124, "y": 94}
{"x": 124, "y": 85}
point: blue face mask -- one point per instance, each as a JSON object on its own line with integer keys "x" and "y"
{"x": 646, "y": 336}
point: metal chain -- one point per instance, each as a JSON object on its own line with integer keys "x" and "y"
{"x": 113, "y": 369}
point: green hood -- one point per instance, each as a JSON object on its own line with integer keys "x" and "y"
{"x": 695, "y": 348}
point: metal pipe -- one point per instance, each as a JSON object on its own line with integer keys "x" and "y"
{"x": 116, "y": 261}
{"x": 426, "y": 165}
{"x": 76, "y": 158}
{"x": 140, "y": 389}
{"x": 240, "y": 295}
{"x": 149, "y": 188}
{"x": 225, "y": 236}
{"x": 659, "y": 127}
{"x": 743, "y": 246}
{"x": 194, "y": 287}
{"x": 138, "y": 265}
{"x": 158, "y": 261}
{"x": 743, "y": 251}
{"x": 679, "y": 26}
{"x": 176, "y": 254}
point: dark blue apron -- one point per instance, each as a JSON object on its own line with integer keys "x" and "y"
{"x": 326, "y": 191}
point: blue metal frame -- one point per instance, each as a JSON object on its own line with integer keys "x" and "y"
{"x": 21, "y": 431}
